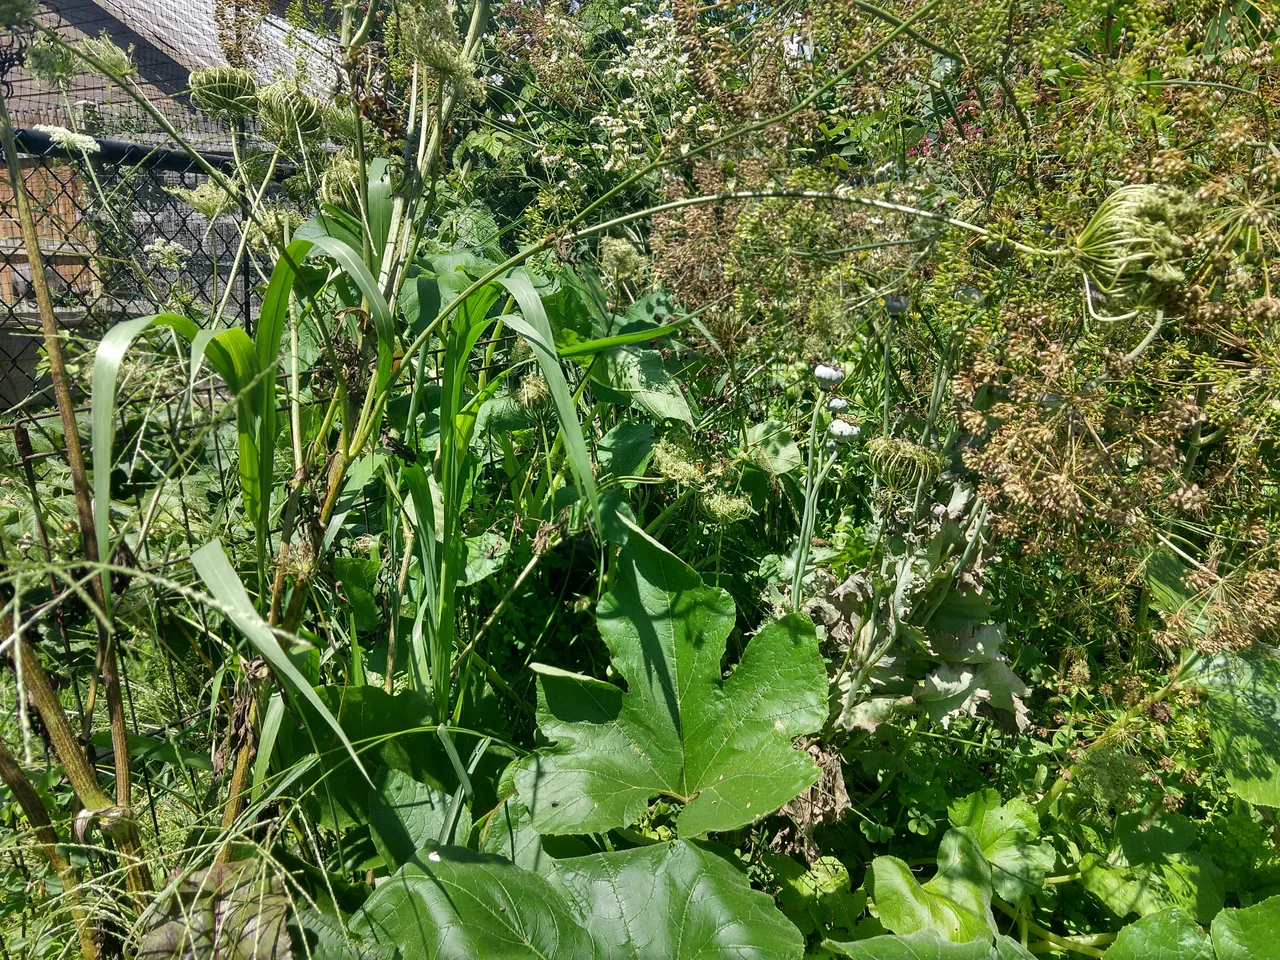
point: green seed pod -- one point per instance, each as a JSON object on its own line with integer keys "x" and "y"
{"x": 1130, "y": 247}
{"x": 229, "y": 93}
{"x": 901, "y": 464}
{"x": 287, "y": 114}
{"x": 113, "y": 61}
{"x": 338, "y": 184}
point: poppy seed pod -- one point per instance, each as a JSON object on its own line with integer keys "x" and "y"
{"x": 896, "y": 304}
{"x": 837, "y": 404}
{"x": 828, "y": 377}
{"x": 842, "y": 430}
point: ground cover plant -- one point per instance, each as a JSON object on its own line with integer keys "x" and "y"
{"x": 702, "y": 479}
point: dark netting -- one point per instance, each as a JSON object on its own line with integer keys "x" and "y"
{"x": 117, "y": 242}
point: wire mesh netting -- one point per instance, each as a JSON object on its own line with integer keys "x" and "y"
{"x": 117, "y": 241}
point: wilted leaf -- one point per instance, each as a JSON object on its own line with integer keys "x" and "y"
{"x": 955, "y": 905}
{"x": 229, "y": 912}
{"x": 721, "y": 747}
{"x": 954, "y": 690}
{"x": 1009, "y": 837}
{"x": 674, "y": 901}
{"x": 449, "y": 903}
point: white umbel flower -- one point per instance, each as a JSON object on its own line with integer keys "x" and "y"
{"x": 68, "y": 139}
{"x": 828, "y": 377}
{"x": 843, "y": 430}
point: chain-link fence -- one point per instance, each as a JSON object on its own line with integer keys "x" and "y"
{"x": 118, "y": 241}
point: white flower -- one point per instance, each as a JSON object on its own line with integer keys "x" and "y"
{"x": 828, "y": 377}
{"x": 843, "y": 430}
{"x": 837, "y": 404}
{"x": 68, "y": 139}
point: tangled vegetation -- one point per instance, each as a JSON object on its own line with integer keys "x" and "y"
{"x": 703, "y": 479}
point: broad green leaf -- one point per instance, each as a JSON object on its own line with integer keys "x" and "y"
{"x": 721, "y": 747}
{"x": 1190, "y": 881}
{"x": 817, "y": 900}
{"x": 359, "y": 585}
{"x": 405, "y": 815}
{"x": 484, "y": 557}
{"x": 1243, "y": 705}
{"x": 215, "y": 570}
{"x": 674, "y": 901}
{"x": 1009, "y": 837}
{"x": 625, "y": 449}
{"x": 509, "y": 833}
{"x": 1168, "y": 935}
{"x": 954, "y": 905}
{"x": 1145, "y": 839}
{"x": 1251, "y": 933}
{"x": 771, "y": 447}
{"x": 638, "y": 375}
{"x": 918, "y": 946}
{"x": 449, "y": 903}
{"x": 319, "y": 936}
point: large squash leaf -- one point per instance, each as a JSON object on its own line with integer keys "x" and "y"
{"x": 924, "y": 946}
{"x": 1251, "y": 933}
{"x": 721, "y": 747}
{"x": 1168, "y": 935}
{"x": 1243, "y": 703}
{"x": 449, "y": 903}
{"x": 955, "y": 905}
{"x": 674, "y": 901}
{"x": 1009, "y": 837}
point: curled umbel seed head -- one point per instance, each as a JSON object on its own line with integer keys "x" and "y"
{"x": 229, "y": 93}
{"x": 828, "y": 377}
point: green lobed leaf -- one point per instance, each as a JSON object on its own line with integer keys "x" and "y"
{"x": 674, "y": 901}
{"x": 1243, "y": 705}
{"x": 954, "y": 905}
{"x": 1167, "y": 935}
{"x": 405, "y": 815}
{"x": 721, "y": 747}
{"x": 771, "y": 447}
{"x": 449, "y": 903}
{"x": 637, "y": 375}
{"x": 1250, "y": 933}
{"x": 1190, "y": 881}
{"x": 1009, "y": 837}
